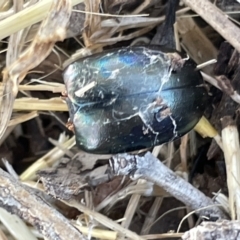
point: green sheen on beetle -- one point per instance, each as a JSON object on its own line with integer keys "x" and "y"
{"x": 133, "y": 98}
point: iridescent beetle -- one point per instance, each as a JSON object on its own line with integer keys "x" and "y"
{"x": 134, "y": 98}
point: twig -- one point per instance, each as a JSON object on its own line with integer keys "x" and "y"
{"x": 217, "y": 19}
{"x": 22, "y": 201}
{"x": 153, "y": 211}
{"x": 231, "y": 149}
{"x": 220, "y": 230}
{"x": 207, "y": 63}
{"x": 150, "y": 168}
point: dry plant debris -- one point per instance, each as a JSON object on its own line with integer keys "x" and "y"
{"x": 68, "y": 194}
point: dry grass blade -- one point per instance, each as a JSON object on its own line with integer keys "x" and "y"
{"x": 125, "y": 37}
{"x": 111, "y": 15}
{"x": 5, "y": 5}
{"x": 105, "y": 221}
{"x": 41, "y": 87}
{"x": 131, "y": 22}
{"x": 22, "y": 118}
{"x": 31, "y": 104}
{"x": 28, "y": 16}
{"x": 52, "y": 29}
{"x": 163, "y": 236}
{"x": 91, "y": 22}
{"x": 97, "y": 233}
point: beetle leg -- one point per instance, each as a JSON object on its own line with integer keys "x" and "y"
{"x": 70, "y": 126}
{"x": 177, "y": 61}
{"x": 64, "y": 94}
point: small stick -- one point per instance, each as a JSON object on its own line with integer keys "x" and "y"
{"x": 231, "y": 149}
{"x": 207, "y": 63}
{"x": 150, "y": 168}
{"x": 22, "y": 201}
{"x": 220, "y": 230}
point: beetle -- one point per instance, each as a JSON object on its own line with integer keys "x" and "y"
{"x": 134, "y": 98}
